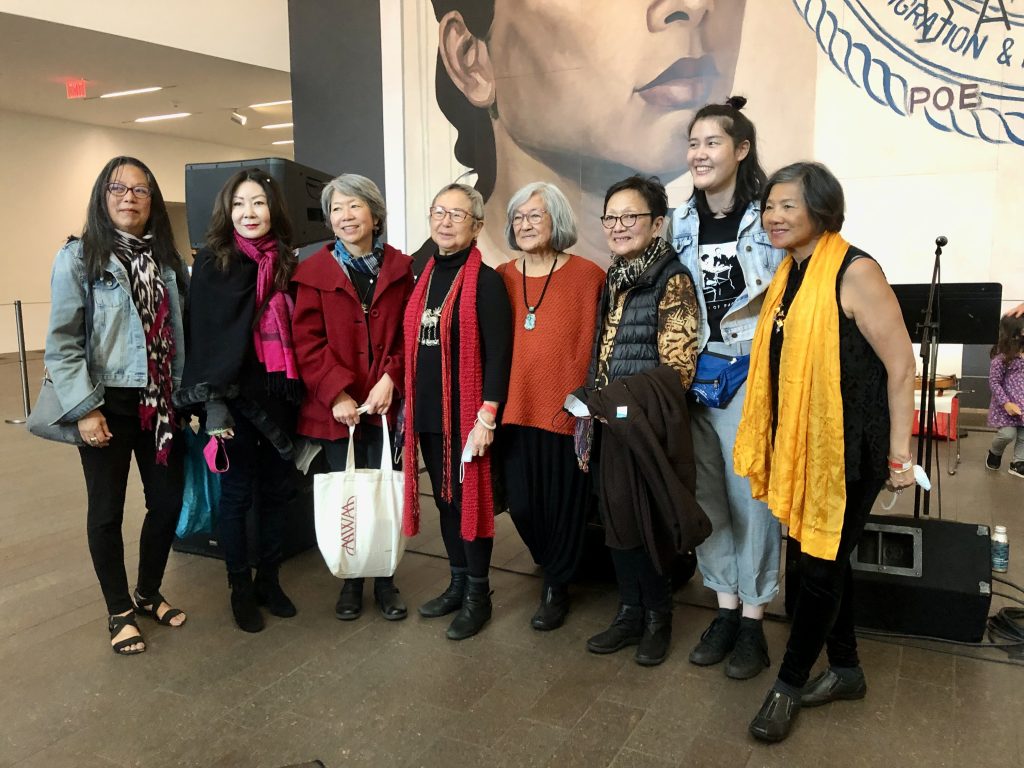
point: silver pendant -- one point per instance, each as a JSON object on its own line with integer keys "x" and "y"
{"x": 531, "y": 321}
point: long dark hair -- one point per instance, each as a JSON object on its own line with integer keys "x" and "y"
{"x": 750, "y": 176}
{"x": 99, "y": 233}
{"x": 1011, "y": 338}
{"x": 220, "y": 237}
{"x": 475, "y": 145}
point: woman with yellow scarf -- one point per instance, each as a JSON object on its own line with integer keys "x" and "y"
{"x": 826, "y": 423}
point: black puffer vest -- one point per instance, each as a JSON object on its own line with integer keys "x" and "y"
{"x": 636, "y": 340}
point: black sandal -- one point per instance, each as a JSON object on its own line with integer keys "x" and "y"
{"x": 148, "y": 606}
{"x": 122, "y": 647}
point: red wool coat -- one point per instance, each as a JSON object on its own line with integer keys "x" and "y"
{"x": 330, "y": 335}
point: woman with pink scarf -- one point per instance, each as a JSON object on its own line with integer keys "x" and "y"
{"x": 242, "y": 378}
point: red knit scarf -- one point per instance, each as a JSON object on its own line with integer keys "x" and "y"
{"x": 477, "y": 498}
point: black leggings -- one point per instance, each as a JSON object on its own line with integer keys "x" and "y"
{"x": 639, "y": 582}
{"x": 475, "y": 556}
{"x": 106, "y": 481}
{"x": 824, "y": 608}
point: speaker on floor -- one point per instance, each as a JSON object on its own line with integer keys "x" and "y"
{"x": 931, "y": 578}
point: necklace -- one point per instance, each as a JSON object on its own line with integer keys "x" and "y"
{"x": 430, "y": 320}
{"x": 531, "y": 309}
{"x": 364, "y": 296}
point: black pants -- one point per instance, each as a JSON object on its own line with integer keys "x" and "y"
{"x": 475, "y": 556}
{"x": 106, "y": 481}
{"x": 549, "y": 497}
{"x": 823, "y": 616}
{"x": 256, "y": 471}
{"x": 639, "y": 582}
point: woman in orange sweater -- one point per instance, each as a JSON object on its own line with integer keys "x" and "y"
{"x": 554, "y": 298}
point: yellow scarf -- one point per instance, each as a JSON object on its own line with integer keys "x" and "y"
{"x": 802, "y": 476}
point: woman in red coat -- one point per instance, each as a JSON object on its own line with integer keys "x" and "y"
{"x": 349, "y": 303}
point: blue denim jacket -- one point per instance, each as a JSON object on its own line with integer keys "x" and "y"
{"x": 757, "y": 259}
{"x": 117, "y": 343}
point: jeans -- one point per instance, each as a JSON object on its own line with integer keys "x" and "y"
{"x": 106, "y": 481}
{"x": 1004, "y": 437}
{"x": 255, "y": 465}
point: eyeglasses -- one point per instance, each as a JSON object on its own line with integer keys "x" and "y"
{"x": 438, "y": 212}
{"x": 117, "y": 189}
{"x": 534, "y": 217}
{"x": 627, "y": 219}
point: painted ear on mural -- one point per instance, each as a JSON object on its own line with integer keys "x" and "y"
{"x": 467, "y": 60}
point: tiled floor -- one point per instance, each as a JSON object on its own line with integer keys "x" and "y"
{"x": 381, "y": 694}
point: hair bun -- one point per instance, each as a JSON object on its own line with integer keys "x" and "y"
{"x": 737, "y": 102}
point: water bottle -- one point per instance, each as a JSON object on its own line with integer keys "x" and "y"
{"x": 1000, "y": 549}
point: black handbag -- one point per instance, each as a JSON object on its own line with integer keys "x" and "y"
{"x": 44, "y": 418}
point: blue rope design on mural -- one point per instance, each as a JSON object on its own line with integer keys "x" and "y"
{"x": 885, "y": 87}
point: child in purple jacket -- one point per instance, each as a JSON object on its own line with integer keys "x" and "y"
{"x": 1006, "y": 381}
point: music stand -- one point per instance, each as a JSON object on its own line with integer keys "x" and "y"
{"x": 963, "y": 313}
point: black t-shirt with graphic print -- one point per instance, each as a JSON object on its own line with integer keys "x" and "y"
{"x": 721, "y": 275}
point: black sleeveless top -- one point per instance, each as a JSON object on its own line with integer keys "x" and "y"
{"x": 863, "y": 383}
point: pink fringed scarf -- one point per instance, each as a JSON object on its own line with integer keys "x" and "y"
{"x": 477, "y": 497}
{"x": 272, "y": 336}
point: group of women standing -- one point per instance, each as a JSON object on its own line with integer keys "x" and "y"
{"x": 479, "y": 363}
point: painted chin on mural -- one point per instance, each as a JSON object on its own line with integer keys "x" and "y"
{"x": 578, "y": 93}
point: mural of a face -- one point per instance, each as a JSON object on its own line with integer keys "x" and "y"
{"x": 613, "y": 81}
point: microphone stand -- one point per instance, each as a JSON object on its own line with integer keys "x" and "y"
{"x": 929, "y": 352}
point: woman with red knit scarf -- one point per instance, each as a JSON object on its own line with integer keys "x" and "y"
{"x": 241, "y": 370}
{"x": 458, "y": 351}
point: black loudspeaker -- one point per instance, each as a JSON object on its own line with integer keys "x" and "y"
{"x": 923, "y": 577}
{"x": 301, "y": 186}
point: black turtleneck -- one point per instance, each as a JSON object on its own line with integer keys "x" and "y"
{"x": 494, "y": 315}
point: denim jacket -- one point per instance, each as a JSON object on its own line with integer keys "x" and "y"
{"x": 117, "y": 343}
{"x": 757, "y": 259}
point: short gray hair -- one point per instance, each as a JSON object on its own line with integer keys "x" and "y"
{"x": 563, "y": 221}
{"x": 476, "y": 200}
{"x": 354, "y": 185}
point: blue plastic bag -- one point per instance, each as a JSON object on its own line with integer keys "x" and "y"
{"x": 202, "y": 489}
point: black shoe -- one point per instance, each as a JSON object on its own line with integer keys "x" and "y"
{"x": 243, "y": 601}
{"x": 626, "y": 629}
{"x": 554, "y": 605}
{"x": 656, "y": 639}
{"x": 448, "y": 601}
{"x": 1016, "y": 468}
{"x": 718, "y": 639}
{"x": 475, "y": 612}
{"x": 269, "y": 592}
{"x": 775, "y": 718}
{"x": 389, "y": 601}
{"x": 830, "y": 686}
{"x": 350, "y": 601}
{"x": 992, "y": 462}
{"x": 750, "y": 655}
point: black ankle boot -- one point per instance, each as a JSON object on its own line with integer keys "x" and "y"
{"x": 269, "y": 592}
{"x": 350, "y": 601}
{"x": 476, "y": 610}
{"x": 389, "y": 600}
{"x": 243, "y": 601}
{"x": 626, "y": 629}
{"x": 448, "y": 601}
{"x": 554, "y": 605}
{"x": 656, "y": 639}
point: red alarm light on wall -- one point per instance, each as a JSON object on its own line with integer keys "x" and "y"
{"x": 75, "y": 88}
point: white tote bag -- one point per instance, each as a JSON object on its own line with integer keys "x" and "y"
{"x": 358, "y": 516}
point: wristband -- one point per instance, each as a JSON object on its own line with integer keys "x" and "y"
{"x": 900, "y": 466}
{"x": 899, "y": 471}
{"x": 485, "y": 425}
{"x": 488, "y": 408}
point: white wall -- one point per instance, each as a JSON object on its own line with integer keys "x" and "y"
{"x": 250, "y": 31}
{"x": 49, "y": 167}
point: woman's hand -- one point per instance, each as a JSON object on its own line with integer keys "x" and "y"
{"x": 1012, "y": 408}
{"x": 344, "y": 410}
{"x": 900, "y": 480}
{"x": 481, "y": 438}
{"x": 93, "y": 429}
{"x": 379, "y": 399}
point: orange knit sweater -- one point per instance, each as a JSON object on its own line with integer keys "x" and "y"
{"x": 551, "y": 360}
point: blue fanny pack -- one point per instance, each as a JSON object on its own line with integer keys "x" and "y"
{"x": 718, "y": 378}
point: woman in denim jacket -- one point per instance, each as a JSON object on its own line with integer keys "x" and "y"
{"x": 124, "y": 278}
{"x": 719, "y": 238}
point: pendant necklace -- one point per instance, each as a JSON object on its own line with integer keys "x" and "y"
{"x": 531, "y": 310}
{"x": 364, "y": 301}
{"x": 430, "y": 320}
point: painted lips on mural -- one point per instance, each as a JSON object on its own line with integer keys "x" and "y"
{"x": 953, "y": 63}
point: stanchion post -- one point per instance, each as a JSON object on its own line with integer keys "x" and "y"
{"x": 22, "y": 365}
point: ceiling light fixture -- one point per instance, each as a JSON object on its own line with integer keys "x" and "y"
{"x": 285, "y": 141}
{"x": 273, "y": 126}
{"x": 135, "y": 92}
{"x": 239, "y": 118}
{"x": 154, "y": 118}
{"x": 270, "y": 104}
